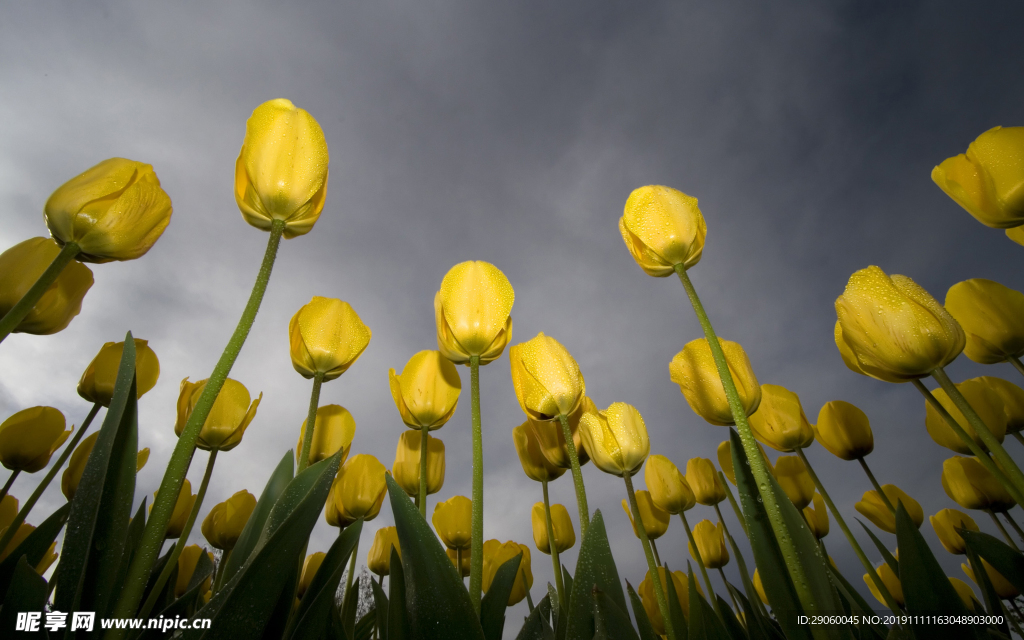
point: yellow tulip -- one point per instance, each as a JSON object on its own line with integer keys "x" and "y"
{"x": 21, "y": 266}
{"x": 141, "y": 458}
{"x": 8, "y": 511}
{"x": 693, "y": 369}
{"x": 710, "y": 539}
{"x": 281, "y": 171}
{"x": 561, "y": 524}
{"x": 80, "y": 456}
{"x": 655, "y": 520}
{"x": 464, "y": 567}
{"x": 1013, "y": 401}
{"x": 985, "y": 401}
{"x": 662, "y": 227}
{"x": 966, "y": 593}
{"x": 680, "y": 582}
{"x": 187, "y": 562}
{"x": 668, "y": 488}
{"x": 872, "y": 508}
{"x": 427, "y": 391}
{"x": 780, "y": 422}
{"x": 114, "y": 211}
{"x": 1016, "y": 234}
{"x": 844, "y": 430}
{"x": 1004, "y": 588}
{"x": 379, "y": 558}
{"x": 182, "y": 509}
{"x": 990, "y": 315}
{"x": 453, "y": 521}
{"x": 358, "y": 490}
{"x": 472, "y": 311}
{"x": 228, "y": 419}
{"x": 498, "y": 553}
{"x": 29, "y": 438}
{"x": 97, "y": 383}
{"x": 49, "y": 557}
{"x": 759, "y": 587}
{"x": 988, "y": 181}
{"x": 971, "y": 486}
{"x": 702, "y": 477}
{"x": 551, "y": 439}
{"x": 325, "y": 337}
{"x": 546, "y": 378}
{"x": 224, "y": 524}
{"x": 725, "y": 459}
{"x": 946, "y": 522}
{"x": 794, "y": 479}
{"x": 309, "y": 568}
{"x": 816, "y": 516}
{"x": 616, "y": 439}
{"x": 24, "y": 530}
{"x": 406, "y": 469}
{"x": 535, "y": 465}
{"x": 333, "y": 432}
{"x": 890, "y": 580}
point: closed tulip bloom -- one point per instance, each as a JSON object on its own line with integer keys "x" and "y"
{"x": 472, "y": 312}
{"x": 816, "y": 516}
{"x": 667, "y": 486}
{"x": 1004, "y": 588}
{"x": 309, "y": 568}
{"x": 946, "y": 523}
{"x": 454, "y": 557}
{"x": 325, "y": 337}
{"x": 187, "y": 562}
{"x": 21, "y": 266}
{"x": 551, "y": 439}
{"x": 97, "y": 383}
{"x": 281, "y": 171}
{"x": 228, "y": 419}
{"x": 359, "y": 489}
{"x": 406, "y": 469}
{"x": 872, "y": 508}
{"x": 1013, "y": 401}
{"x": 427, "y": 391}
{"x": 616, "y": 439}
{"x": 498, "y": 553}
{"x": 991, "y": 316}
{"x": 971, "y": 486}
{"x": 535, "y": 465}
{"x": 680, "y": 582}
{"x": 702, "y": 477}
{"x": 725, "y": 459}
{"x": 792, "y": 475}
{"x": 890, "y": 580}
{"x": 80, "y": 456}
{"x": 988, "y": 180}
{"x": 710, "y": 539}
{"x": 844, "y": 430}
{"x": 985, "y": 401}
{"x": 224, "y": 524}
{"x": 693, "y": 369}
{"x": 24, "y": 530}
{"x": 379, "y": 558}
{"x": 546, "y": 378}
{"x": 29, "y": 438}
{"x": 182, "y": 509}
{"x": 114, "y": 211}
{"x": 561, "y": 524}
{"x": 453, "y": 521}
{"x": 966, "y": 593}
{"x": 662, "y": 227}
{"x": 780, "y": 422}
{"x": 333, "y": 432}
{"x": 655, "y": 520}
{"x": 49, "y": 557}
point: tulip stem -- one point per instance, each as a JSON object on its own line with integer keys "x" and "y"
{"x": 1002, "y": 530}
{"x": 10, "y": 482}
{"x": 219, "y": 578}
{"x": 1006, "y": 514}
{"x": 476, "y": 553}
{"x": 529, "y": 600}
{"x": 553, "y": 548}
{"x": 1020, "y": 438}
{"x": 577, "y": 476}
{"x": 740, "y": 562}
{"x": 1015, "y": 361}
{"x": 654, "y": 549}
{"x": 721, "y": 572}
{"x": 878, "y": 487}
{"x": 735, "y": 506}
{"x": 177, "y": 467}
{"x": 19, "y": 311}
{"x": 421, "y": 499}
{"x": 659, "y": 592}
{"x": 307, "y": 437}
{"x": 27, "y": 507}
{"x": 351, "y": 566}
{"x": 870, "y": 568}
{"x": 700, "y": 563}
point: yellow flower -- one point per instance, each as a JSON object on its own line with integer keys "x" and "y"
{"x": 890, "y": 580}
{"x": 561, "y": 524}
{"x": 702, "y": 477}
{"x": 358, "y": 490}
{"x": 379, "y": 558}
{"x": 49, "y": 557}
{"x": 333, "y": 432}
{"x": 816, "y": 516}
{"x": 225, "y": 522}
{"x": 792, "y": 475}
{"x": 97, "y": 383}
{"x": 326, "y": 336}
{"x": 616, "y": 439}
{"x": 891, "y": 329}
{"x": 8, "y": 511}
{"x": 985, "y": 401}
{"x": 988, "y": 181}
{"x": 182, "y": 509}
{"x": 465, "y": 567}
{"x": 546, "y": 378}
{"x": 844, "y": 430}
{"x": 187, "y": 562}
{"x": 114, "y": 211}
{"x": 551, "y": 439}
{"x": 80, "y": 456}
{"x": 725, "y": 459}
{"x": 759, "y": 587}
{"x": 281, "y": 171}
{"x": 990, "y": 315}
{"x": 453, "y": 521}
{"x": 710, "y": 539}
{"x": 406, "y": 469}
{"x": 668, "y": 488}
{"x": 680, "y": 582}
{"x": 21, "y": 266}
{"x": 655, "y": 520}
{"x": 535, "y": 465}
{"x": 780, "y": 422}
{"x": 427, "y": 391}
{"x": 498, "y": 553}
{"x": 230, "y": 416}
{"x": 1016, "y": 234}
{"x": 472, "y": 310}
{"x": 946, "y": 523}
{"x": 971, "y": 486}
{"x": 965, "y": 592}
{"x": 1004, "y": 588}
{"x": 872, "y": 508}
{"x": 662, "y": 227}
{"x": 1013, "y": 401}
{"x": 693, "y": 369}
{"x": 24, "y": 530}
{"x": 29, "y": 438}
{"x": 309, "y": 568}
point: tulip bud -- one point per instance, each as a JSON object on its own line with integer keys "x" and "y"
{"x": 224, "y": 524}
{"x": 333, "y": 431}
{"x": 668, "y": 488}
{"x": 76, "y": 465}
{"x": 988, "y": 181}
{"x": 725, "y": 459}
{"x": 792, "y": 475}
{"x": 281, "y": 171}
{"x": 325, "y": 337}
{"x": 985, "y": 401}
{"x": 662, "y": 228}
{"x": 182, "y": 509}
{"x": 946, "y": 523}
{"x": 551, "y": 439}
{"x": 816, "y": 516}
{"x": 890, "y": 580}
{"x": 49, "y": 557}
{"x": 114, "y": 211}
{"x": 990, "y": 315}
{"x": 21, "y": 266}
{"x": 561, "y": 524}
{"x": 309, "y": 568}
{"x": 97, "y": 383}
{"x": 655, "y": 520}
{"x": 8, "y": 511}
{"x": 472, "y": 312}
{"x": 616, "y": 439}
{"x": 187, "y": 562}
{"x": 844, "y": 430}
{"x": 1004, "y": 588}
{"x": 464, "y": 567}
{"x": 453, "y": 521}
{"x": 24, "y": 531}
{"x": 228, "y": 419}
{"x": 358, "y": 490}
{"x": 379, "y": 558}
{"x": 406, "y": 469}
{"x": 498, "y": 553}
{"x": 971, "y": 486}
{"x": 703, "y": 480}
{"x": 1013, "y": 401}
{"x": 680, "y": 582}
{"x": 29, "y": 438}
{"x": 780, "y": 422}
{"x": 873, "y": 508}
{"x": 966, "y": 594}
{"x": 535, "y": 465}
{"x": 546, "y": 378}
{"x": 427, "y": 391}
{"x": 759, "y": 587}
{"x": 694, "y": 370}
{"x": 710, "y": 539}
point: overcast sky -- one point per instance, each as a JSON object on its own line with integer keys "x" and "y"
{"x": 513, "y": 133}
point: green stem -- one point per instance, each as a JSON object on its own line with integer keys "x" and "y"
{"x": 529, "y": 600}
{"x": 458, "y": 566}
{"x": 740, "y": 562}
{"x": 307, "y": 437}
{"x": 577, "y": 476}
{"x": 735, "y": 506}
{"x": 1015, "y": 361}
{"x": 1006, "y": 514}
{"x": 553, "y": 548}
{"x": 659, "y": 592}
{"x": 421, "y": 500}
{"x": 1002, "y": 530}
{"x": 218, "y": 581}
{"x": 735, "y": 604}
{"x": 874, "y": 483}
{"x": 351, "y": 566}
{"x": 476, "y": 552}
{"x": 1020, "y": 438}
{"x": 700, "y": 563}
{"x": 17, "y": 313}
{"x": 654, "y": 549}
{"x": 177, "y": 467}
{"x": 7, "y": 487}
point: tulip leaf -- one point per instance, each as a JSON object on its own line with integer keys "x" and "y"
{"x": 495, "y": 601}
{"x": 397, "y": 621}
{"x": 992, "y": 601}
{"x": 732, "y": 625}
{"x": 1009, "y": 563}
{"x": 758, "y": 627}
{"x": 552, "y": 597}
{"x": 595, "y": 567}
{"x": 349, "y": 604}
{"x": 675, "y": 607}
{"x": 859, "y": 605}
{"x": 28, "y": 592}
{"x": 704, "y": 622}
{"x": 315, "y": 607}
{"x": 437, "y": 604}
{"x": 536, "y": 626}
{"x": 364, "y": 628}
{"x": 890, "y": 559}
{"x": 33, "y": 547}
{"x": 610, "y": 619}
{"x": 380, "y": 600}
{"x": 185, "y": 605}
{"x": 132, "y": 540}
{"x": 643, "y": 623}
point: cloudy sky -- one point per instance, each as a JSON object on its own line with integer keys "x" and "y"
{"x": 513, "y": 133}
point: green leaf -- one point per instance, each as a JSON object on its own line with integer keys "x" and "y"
{"x": 732, "y": 625}
{"x": 495, "y": 601}
{"x": 1008, "y": 562}
{"x": 675, "y": 608}
{"x": 34, "y": 547}
{"x": 437, "y": 604}
{"x": 595, "y": 567}
{"x": 185, "y": 605}
{"x": 364, "y": 628}
{"x": 27, "y": 593}
{"x": 890, "y": 559}
{"x": 611, "y": 622}
{"x": 132, "y": 540}
{"x": 757, "y": 629}
{"x": 349, "y": 603}
{"x": 281, "y": 613}
{"x": 380, "y": 600}
{"x": 704, "y": 622}
{"x": 857, "y": 602}
{"x": 315, "y": 607}
{"x": 643, "y": 623}
{"x": 992, "y": 600}
{"x": 536, "y": 627}
{"x": 398, "y": 623}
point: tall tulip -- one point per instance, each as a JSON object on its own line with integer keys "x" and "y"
{"x": 844, "y": 430}
{"x": 1004, "y": 588}
{"x": 988, "y": 180}
{"x": 309, "y": 568}
{"x": 1013, "y": 403}
{"x": 891, "y": 581}
{"x": 76, "y": 466}
{"x": 971, "y": 486}
{"x": 453, "y": 521}
{"x": 710, "y": 544}
{"x": 990, "y": 315}
{"x": 702, "y": 477}
{"x": 97, "y": 382}
{"x": 21, "y": 267}
{"x": 946, "y": 522}
{"x": 498, "y": 553}
{"x": 780, "y": 421}
{"x": 667, "y": 486}
{"x": 333, "y": 431}
{"x": 406, "y": 469}
{"x": 874, "y": 509}
{"x": 182, "y": 509}
{"x": 223, "y": 525}
{"x": 359, "y": 489}
{"x": 645, "y": 590}
{"x": 564, "y": 534}
{"x": 28, "y": 439}
{"x": 426, "y": 393}
{"x": 655, "y": 519}
{"x": 227, "y": 420}
{"x": 379, "y": 558}
{"x": 796, "y": 482}
{"x": 693, "y": 369}
{"x": 816, "y": 517}
{"x": 984, "y": 400}
{"x": 552, "y": 440}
